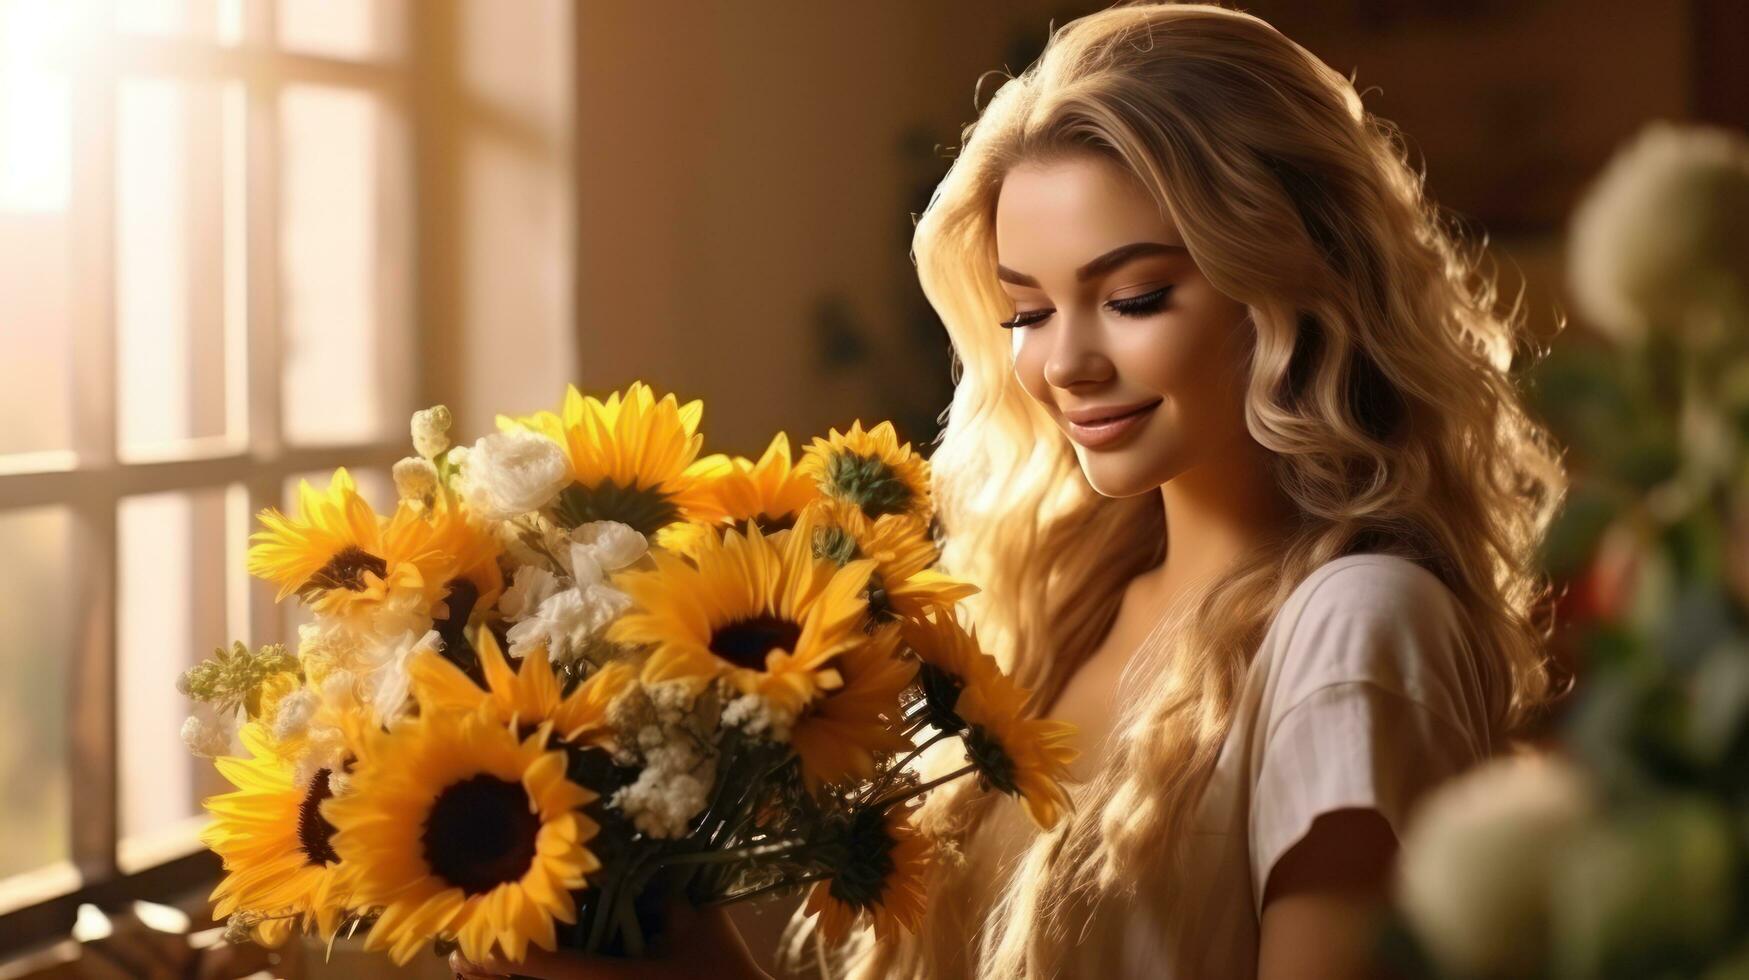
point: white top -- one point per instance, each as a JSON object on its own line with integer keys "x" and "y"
{"x": 1364, "y": 693}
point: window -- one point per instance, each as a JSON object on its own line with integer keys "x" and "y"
{"x": 205, "y": 289}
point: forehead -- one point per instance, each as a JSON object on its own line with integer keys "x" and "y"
{"x": 1064, "y": 212}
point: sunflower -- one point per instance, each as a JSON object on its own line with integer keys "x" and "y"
{"x": 277, "y": 849}
{"x": 871, "y": 470}
{"x": 457, "y": 829}
{"x": 337, "y": 555}
{"x": 633, "y": 458}
{"x": 1024, "y": 757}
{"x": 879, "y": 870}
{"x": 903, "y": 584}
{"x": 528, "y": 695}
{"x": 474, "y": 581}
{"x": 762, "y": 612}
{"x": 966, "y": 693}
{"x": 838, "y": 737}
{"x": 771, "y": 492}
{"x": 951, "y": 663}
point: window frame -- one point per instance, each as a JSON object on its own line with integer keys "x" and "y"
{"x": 93, "y": 477}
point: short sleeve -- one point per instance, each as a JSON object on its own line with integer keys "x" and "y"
{"x": 1372, "y": 699}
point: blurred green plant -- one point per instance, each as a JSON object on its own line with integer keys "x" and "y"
{"x": 1648, "y": 875}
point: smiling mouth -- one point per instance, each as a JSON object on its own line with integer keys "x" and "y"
{"x": 1119, "y": 417}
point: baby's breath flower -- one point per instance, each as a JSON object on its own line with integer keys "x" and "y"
{"x": 673, "y": 787}
{"x": 415, "y": 479}
{"x": 431, "y": 431}
{"x": 209, "y": 740}
{"x": 758, "y": 717}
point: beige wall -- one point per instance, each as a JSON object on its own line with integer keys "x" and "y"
{"x": 738, "y": 161}
{"x": 497, "y": 262}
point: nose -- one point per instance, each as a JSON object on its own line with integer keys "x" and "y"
{"x": 1077, "y": 354}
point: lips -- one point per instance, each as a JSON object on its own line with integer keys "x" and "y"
{"x": 1109, "y": 415}
{"x": 1097, "y": 427}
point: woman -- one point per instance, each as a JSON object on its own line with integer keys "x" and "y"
{"x": 1235, "y": 454}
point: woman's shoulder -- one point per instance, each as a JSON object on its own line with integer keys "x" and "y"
{"x": 1378, "y": 620}
{"x": 1368, "y": 582}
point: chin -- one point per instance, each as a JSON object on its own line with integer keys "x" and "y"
{"x": 1122, "y": 477}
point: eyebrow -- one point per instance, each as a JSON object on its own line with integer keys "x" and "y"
{"x": 1099, "y": 266}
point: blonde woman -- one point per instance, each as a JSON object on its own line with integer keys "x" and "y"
{"x": 1237, "y": 458}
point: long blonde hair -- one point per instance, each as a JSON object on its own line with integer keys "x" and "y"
{"x": 1380, "y": 380}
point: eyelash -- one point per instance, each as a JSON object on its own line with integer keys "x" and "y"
{"x": 1142, "y": 305}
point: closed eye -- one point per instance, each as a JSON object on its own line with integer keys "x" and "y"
{"x": 1143, "y": 305}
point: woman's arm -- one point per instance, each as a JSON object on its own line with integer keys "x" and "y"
{"x": 1325, "y": 898}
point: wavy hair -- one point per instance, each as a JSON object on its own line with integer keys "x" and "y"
{"x": 1381, "y": 381}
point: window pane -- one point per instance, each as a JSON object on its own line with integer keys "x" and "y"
{"x": 332, "y": 335}
{"x": 35, "y": 276}
{"x": 194, "y": 19}
{"x": 170, "y": 283}
{"x": 38, "y": 622}
{"x": 353, "y": 29}
{"x": 172, "y": 585}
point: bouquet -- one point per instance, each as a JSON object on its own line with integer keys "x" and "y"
{"x": 580, "y": 671}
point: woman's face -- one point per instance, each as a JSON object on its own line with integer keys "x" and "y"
{"x": 1111, "y": 316}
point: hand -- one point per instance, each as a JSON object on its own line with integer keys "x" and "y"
{"x": 696, "y": 943}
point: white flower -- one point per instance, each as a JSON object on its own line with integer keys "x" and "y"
{"x": 1478, "y": 860}
{"x": 207, "y": 739}
{"x": 566, "y": 621}
{"x": 431, "y": 431}
{"x": 391, "y": 682}
{"x": 758, "y": 717}
{"x": 458, "y": 457}
{"x": 361, "y": 669}
{"x": 1664, "y": 231}
{"x": 614, "y": 545}
{"x": 511, "y": 473}
{"x": 595, "y": 548}
{"x": 415, "y": 478}
{"x": 580, "y": 564}
{"x": 673, "y": 787}
{"x": 531, "y": 586}
{"x": 292, "y": 717}
{"x": 324, "y": 748}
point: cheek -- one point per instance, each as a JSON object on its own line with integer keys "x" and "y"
{"x": 1029, "y": 365}
{"x": 1193, "y": 360}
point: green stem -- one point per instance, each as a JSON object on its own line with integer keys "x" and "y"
{"x": 733, "y": 854}
{"x": 629, "y": 930}
{"x": 763, "y": 889}
{"x": 957, "y": 773}
{"x": 887, "y": 777}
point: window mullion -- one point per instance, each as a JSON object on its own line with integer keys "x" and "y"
{"x": 92, "y": 692}
{"x": 262, "y": 305}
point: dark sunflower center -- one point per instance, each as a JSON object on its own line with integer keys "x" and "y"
{"x": 941, "y": 691}
{"x": 647, "y": 509}
{"x": 480, "y": 833}
{"x": 880, "y": 606}
{"x": 314, "y": 831}
{"x": 866, "y": 481}
{"x": 834, "y": 543}
{"x": 995, "y": 765}
{"x": 463, "y": 594}
{"x": 745, "y": 642}
{"x": 345, "y": 571}
{"x": 769, "y": 525}
{"x": 868, "y": 861}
